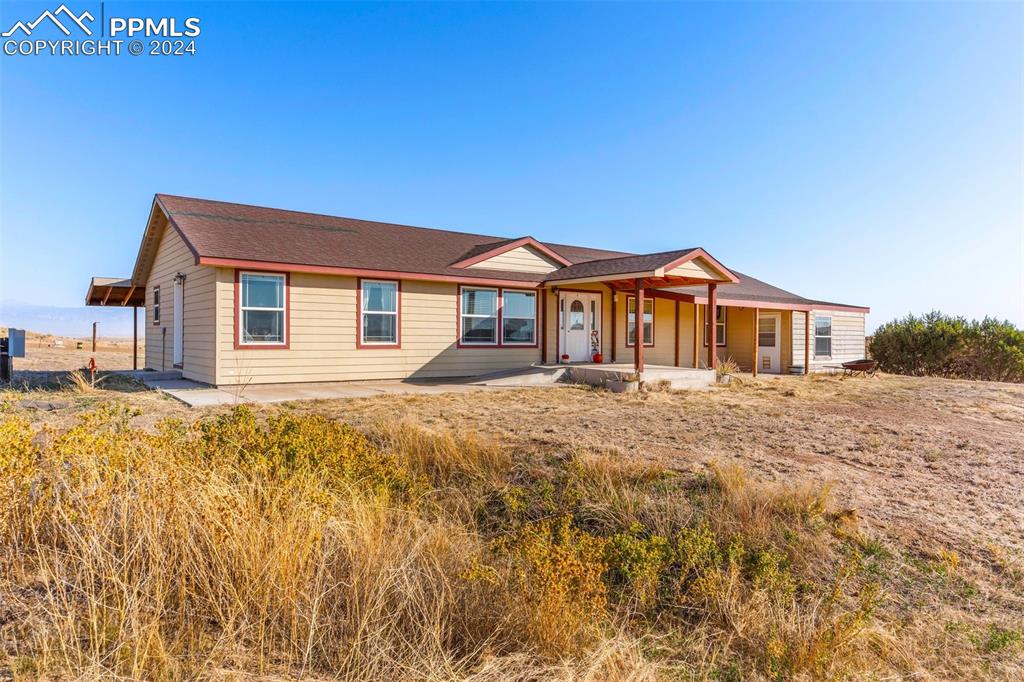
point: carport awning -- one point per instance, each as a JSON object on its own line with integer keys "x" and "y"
{"x": 111, "y": 291}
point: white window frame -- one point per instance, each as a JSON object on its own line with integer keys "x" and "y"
{"x": 502, "y": 317}
{"x": 631, "y": 318}
{"x": 497, "y": 317}
{"x": 720, "y": 335}
{"x": 242, "y": 308}
{"x": 363, "y": 312}
{"x": 823, "y": 336}
{"x": 156, "y": 304}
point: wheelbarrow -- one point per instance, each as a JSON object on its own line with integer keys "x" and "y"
{"x": 863, "y": 366}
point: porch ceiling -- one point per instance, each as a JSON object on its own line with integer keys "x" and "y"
{"x": 113, "y": 291}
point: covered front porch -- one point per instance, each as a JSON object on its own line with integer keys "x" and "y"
{"x": 593, "y": 318}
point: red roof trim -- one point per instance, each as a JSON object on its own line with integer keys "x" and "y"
{"x": 772, "y": 305}
{"x": 508, "y": 246}
{"x": 701, "y": 253}
{"x": 360, "y": 272}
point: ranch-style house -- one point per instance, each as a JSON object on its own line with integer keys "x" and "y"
{"x": 239, "y": 294}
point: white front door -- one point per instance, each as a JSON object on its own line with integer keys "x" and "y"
{"x": 178, "y": 315}
{"x": 580, "y": 325}
{"x": 769, "y": 356}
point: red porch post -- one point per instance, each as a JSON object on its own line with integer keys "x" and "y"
{"x": 753, "y": 353}
{"x": 638, "y": 324}
{"x": 807, "y": 342}
{"x": 712, "y": 322}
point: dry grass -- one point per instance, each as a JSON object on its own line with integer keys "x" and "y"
{"x": 282, "y": 544}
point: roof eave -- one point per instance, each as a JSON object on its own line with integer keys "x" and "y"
{"x": 272, "y": 266}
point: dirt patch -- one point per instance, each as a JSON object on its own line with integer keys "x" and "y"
{"x": 931, "y": 462}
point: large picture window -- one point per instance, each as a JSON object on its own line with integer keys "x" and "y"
{"x": 518, "y": 318}
{"x": 497, "y": 317}
{"x": 719, "y": 326}
{"x": 479, "y": 313}
{"x": 378, "y": 312}
{"x": 648, "y": 321}
{"x": 262, "y": 309}
{"x": 822, "y": 336}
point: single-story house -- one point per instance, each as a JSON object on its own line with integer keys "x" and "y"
{"x": 238, "y": 294}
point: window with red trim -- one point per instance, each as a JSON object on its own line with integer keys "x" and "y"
{"x": 497, "y": 317}
{"x": 518, "y": 318}
{"x": 262, "y": 308}
{"x": 378, "y": 312}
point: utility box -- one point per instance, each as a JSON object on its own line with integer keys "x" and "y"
{"x": 16, "y": 343}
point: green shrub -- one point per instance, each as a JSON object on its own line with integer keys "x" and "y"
{"x": 941, "y": 345}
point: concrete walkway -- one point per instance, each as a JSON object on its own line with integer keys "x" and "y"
{"x": 195, "y": 394}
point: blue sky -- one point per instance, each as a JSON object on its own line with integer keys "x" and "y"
{"x": 863, "y": 153}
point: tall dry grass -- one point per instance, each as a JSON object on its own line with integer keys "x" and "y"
{"x": 297, "y": 546}
{"x": 196, "y": 549}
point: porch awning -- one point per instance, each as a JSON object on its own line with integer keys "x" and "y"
{"x": 669, "y": 268}
{"x": 111, "y": 291}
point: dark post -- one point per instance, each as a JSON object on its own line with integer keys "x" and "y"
{"x": 135, "y": 337}
{"x": 94, "y": 336}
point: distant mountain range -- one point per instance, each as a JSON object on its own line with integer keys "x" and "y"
{"x": 73, "y": 322}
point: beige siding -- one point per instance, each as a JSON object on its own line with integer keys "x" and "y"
{"x": 553, "y": 334}
{"x": 198, "y": 343}
{"x": 695, "y": 268}
{"x": 665, "y": 329}
{"x": 665, "y": 336}
{"x": 739, "y": 336}
{"x": 847, "y": 337}
{"x": 520, "y": 259}
{"x": 322, "y": 337}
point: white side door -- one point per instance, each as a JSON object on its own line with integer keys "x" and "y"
{"x": 769, "y": 355}
{"x": 178, "y": 315}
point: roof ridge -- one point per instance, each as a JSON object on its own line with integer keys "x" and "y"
{"x": 645, "y": 255}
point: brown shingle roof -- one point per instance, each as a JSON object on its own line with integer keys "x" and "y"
{"x": 621, "y": 265}
{"x": 217, "y": 229}
{"x": 752, "y": 289}
{"x": 228, "y": 231}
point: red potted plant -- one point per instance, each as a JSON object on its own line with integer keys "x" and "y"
{"x": 598, "y": 358}
{"x": 565, "y": 357}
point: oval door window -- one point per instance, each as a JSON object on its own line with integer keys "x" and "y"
{"x": 576, "y": 315}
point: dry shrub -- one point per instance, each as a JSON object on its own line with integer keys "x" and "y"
{"x": 295, "y": 545}
{"x": 447, "y": 458}
{"x": 557, "y": 571}
{"x": 79, "y": 383}
{"x": 292, "y": 545}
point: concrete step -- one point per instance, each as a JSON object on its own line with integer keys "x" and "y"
{"x": 145, "y": 375}
{"x": 678, "y": 377}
